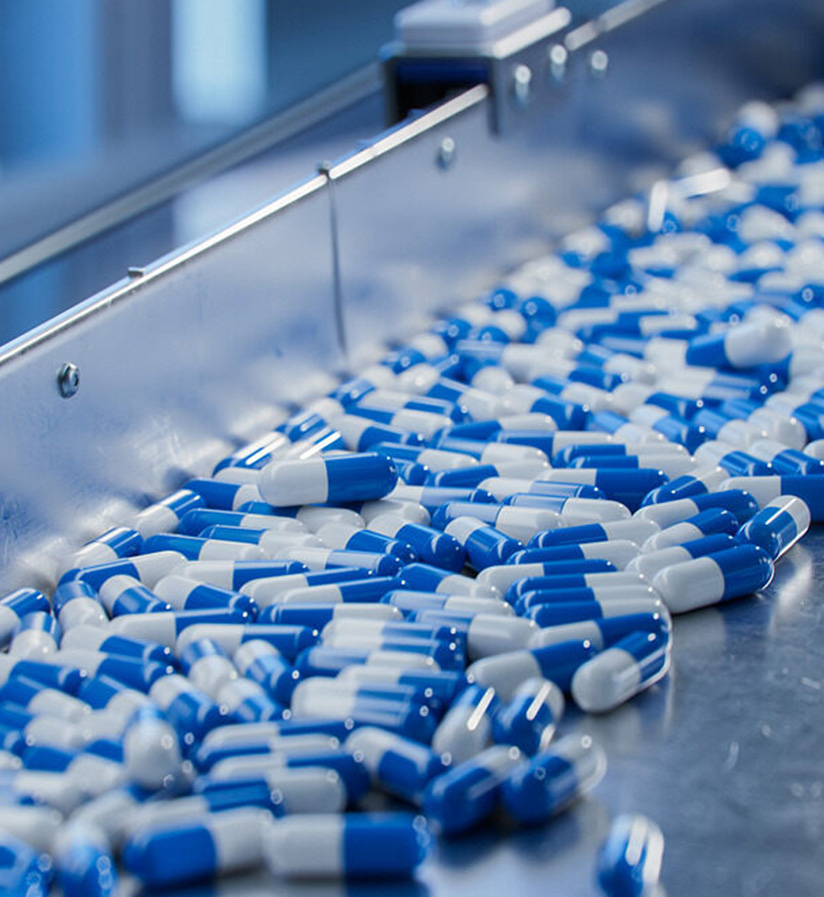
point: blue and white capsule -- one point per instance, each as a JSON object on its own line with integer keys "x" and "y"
{"x": 464, "y": 797}
{"x": 264, "y": 664}
{"x": 629, "y": 862}
{"x": 95, "y": 638}
{"x": 650, "y": 563}
{"x": 485, "y": 546}
{"x": 714, "y": 578}
{"x": 151, "y": 750}
{"x": 17, "y": 605}
{"x": 620, "y": 672}
{"x": 77, "y": 604}
{"x": 553, "y": 780}
{"x": 266, "y": 590}
{"x": 120, "y": 542}
{"x": 165, "y": 516}
{"x": 127, "y": 595}
{"x": 775, "y": 528}
{"x": 183, "y": 593}
{"x": 506, "y": 672}
{"x": 706, "y": 523}
{"x": 170, "y": 855}
{"x": 603, "y": 632}
{"x": 36, "y": 634}
{"x": 467, "y": 727}
{"x": 379, "y": 846}
{"x": 736, "y": 501}
{"x": 425, "y": 578}
{"x": 397, "y": 765}
{"x": 635, "y": 529}
{"x": 764, "y": 489}
{"x": 430, "y": 545}
{"x": 411, "y": 602}
{"x": 336, "y": 479}
{"x": 289, "y": 640}
{"x": 530, "y": 719}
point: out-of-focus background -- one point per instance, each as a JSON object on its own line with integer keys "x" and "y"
{"x": 129, "y": 129}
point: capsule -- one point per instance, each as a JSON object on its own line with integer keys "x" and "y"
{"x": 42, "y": 700}
{"x": 148, "y": 568}
{"x": 636, "y": 530}
{"x": 604, "y": 632}
{"x": 714, "y": 578}
{"x": 234, "y": 575}
{"x": 371, "y": 562}
{"x": 485, "y": 634}
{"x": 16, "y": 606}
{"x": 739, "y": 503}
{"x": 165, "y": 627}
{"x": 93, "y": 638}
{"x": 165, "y": 856}
{"x": 165, "y": 516}
{"x": 485, "y": 546}
{"x": 520, "y": 524}
{"x": 424, "y": 578}
{"x": 189, "y": 710}
{"x": 77, "y": 604}
{"x": 764, "y": 489}
{"x": 337, "y": 479}
{"x": 85, "y": 865}
{"x": 465, "y": 796}
{"x": 246, "y": 701}
{"x": 430, "y": 545}
{"x": 620, "y": 672}
{"x": 775, "y": 528}
{"x": 151, "y": 751}
{"x": 618, "y": 553}
{"x": 505, "y": 672}
{"x": 432, "y": 497}
{"x": 412, "y": 720}
{"x": 442, "y": 685}
{"x": 412, "y": 602}
{"x": 40, "y": 730}
{"x": 652, "y": 562}
{"x": 537, "y": 789}
{"x": 629, "y": 862}
{"x": 705, "y": 523}
{"x": 686, "y": 486}
{"x": 354, "y": 846}
{"x": 37, "y": 825}
{"x": 116, "y": 543}
{"x": 289, "y": 640}
{"x": 134, "y": 673}
{"x": 399, "y": 766}
{"x": 194, "y": 522}
{"x": 265, "y": 665}
{"x": 184, "y": 593}
{"x": 23, "y": 870}
{"x": 263, "y": 740}
{"x": 504, "y": 576}
{"x": 353, "y": 591}
{"x": 467, "y": 727}
{"x": 324, "y": 661}
{"x": 266, "y": 590}
{"x": 530, "y": 719}
{"x": 36, "y": 634}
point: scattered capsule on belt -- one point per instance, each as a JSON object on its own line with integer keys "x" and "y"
{"x": 467, "y": 727}
{"x": 739, "y": 503}
{"x": 424, "y": 578}
{"x": 603, "y": 632}
{"x": 354, "y": 845}
{"x": 17, "y": 605}
{"x": 635, "y": 530}
{"x": 539, "y": 788}
{"x": 629, "y": 862}
{"x": 235, "y": 575}
{"x": 165, "y": 516}
{"x": 465, "y": 796}
{"x": 618, "y": 673}
{"x": 430, "y": 545}
{"x": 705, "y": 523}
{"x": 505, "y": 672}
{"x": 398, "y": 765}
{"x": 36, "y": 634}
{"x": 650, "y": 563}
{"x": 530, "y": 719}
{"x": 77, "y": 604}
{"x": 183, "y": 593}
{"x": 775, "y": 528}
{"x": 714, "y": 578}
{"x": 151, "y": 751}
{"x": 336, "y": 479}
{"x": 163, "y": 856}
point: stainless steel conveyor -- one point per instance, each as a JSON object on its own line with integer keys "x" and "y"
{"x": 192, "y": 354}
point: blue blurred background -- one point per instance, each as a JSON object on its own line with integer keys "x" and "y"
{"x": 113, "y": 114}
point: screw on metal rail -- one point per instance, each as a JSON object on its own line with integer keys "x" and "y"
{"x": 68, "y": 379}
{"x": 445, "y": 157}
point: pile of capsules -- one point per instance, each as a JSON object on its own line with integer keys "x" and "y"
{"x": 397, "y": 589}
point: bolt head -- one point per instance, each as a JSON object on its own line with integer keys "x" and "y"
{"x": 68, "y": 379}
